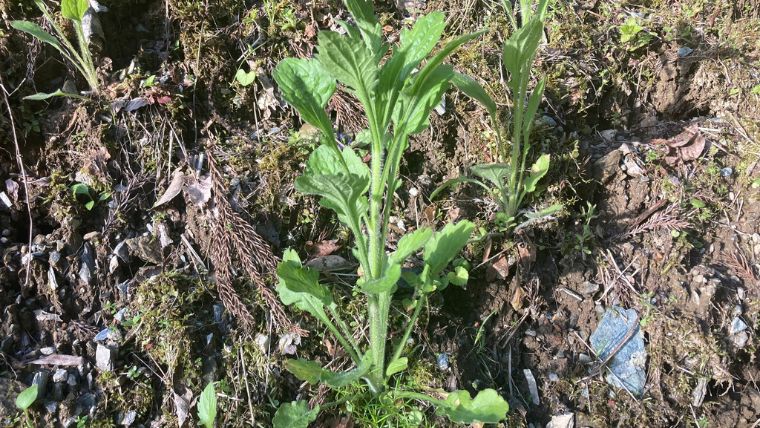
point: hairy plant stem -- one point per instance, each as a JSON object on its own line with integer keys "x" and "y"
{"x": 409, "y": 327}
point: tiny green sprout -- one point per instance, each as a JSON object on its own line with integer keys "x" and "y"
{"x": 27, "y": 397}
{"x": 245, "y": 78}
{"x": 207, "y": 406}
{"x": 87, "y": 196}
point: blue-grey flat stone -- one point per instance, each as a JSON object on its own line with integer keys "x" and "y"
{"x": 627, "y": 368}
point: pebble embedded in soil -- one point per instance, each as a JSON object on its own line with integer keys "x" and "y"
{"x": 737, "y": 326}
{"x": 105, "y": 356}
{"x": 442, "y": 361}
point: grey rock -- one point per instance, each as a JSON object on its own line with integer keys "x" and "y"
{"x": 121, "y": 250}
{"x": 740, "y": 339}
{"x": 737, "y": 326}
{"x": 51, "y": 407}
{"x": 85, "y": 404}
{"x": 105, "y": 357}
{"x": 588, "y": 288}
{"x": 628, "y": 364}
{"x": 442, "y": 361}
{"x": 566, "y": 420}
{"x": 532, "y": 387}
{"x": 48, "y": 350}
{"x": 608, "y": 134}
{"x": 553, "y": 377}
{"x": 72, "y": 380}
{"x": 41, "y": 379}
{"x": 128, "y": 419}
{"x": 60, "y": 375}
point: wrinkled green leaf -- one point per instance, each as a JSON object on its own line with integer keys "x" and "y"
{"x": 474, "y": 90}
{"x": 537, "y": 172}
{"x": 324, "y": 161}
{"x": 384, "y": 284}
{"x": 348, "y": 60}
{"x": 36, "y": 31}
{"x": 495, "y": 173}
{"x": 27, "y": 397}
{"x": 397, "y": 366}
{"x": 446, "y": 244}
{"x": 299, "y": 286}
{"x": 41, "y": 96}
{"x": 295, "y": 414}
{"x": 519, "y": 51}
{"x": 343, "y": 194}
{"x": 313, "y": 373}
{"x": 207, "y": 406}
{"x": 74, "y": 9}
{"x": 409, "y": 244}
{"x": 487, "y": 407}
{"x": 307, "y": 87}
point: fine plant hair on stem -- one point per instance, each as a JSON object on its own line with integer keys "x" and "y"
{"x": 232, "y": 238}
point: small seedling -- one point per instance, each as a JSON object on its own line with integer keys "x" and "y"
{"x": 633, "y": 35}
{"x": 87, "y": 196}
{"x": 207, "y": 406}
{"x": 512, "y": 182}
{"x": 25, "y": 400}
{"x": 80, "y": 58}
{"x": 245, "y": 78}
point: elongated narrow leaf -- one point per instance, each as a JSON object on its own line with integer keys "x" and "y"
{"x": 295, "y": 415}
{"x": 474, "y": 90}
{"x": 313, "y": 373}
{"x": 41, "y": 96}
{"x": 541, "y": 10}
{"x": 520, "y": 48}
{"x": 307, "y": 87}
{"x": 457, "y": 180}
{"x": 446, "y": 244}
{"x": 410, "y": 244}
{"x": 36, "y": 31}
{"x": 525, "y": 10}
{"x": 384, "y": 284}
{"x": 74, "y": 9}
{"x": 495, "y": 173}
{"x": 537, "y": 172}
{"x": 447, "y": 50}
{"x": 487, "y": 407}
{"x": 348, "y": 60}
{"x": 371, "y": 33}
{"x": 207, "y": 406}
{"x": 530, "y": 112}
{"x": 415, "y": 45}
{"x": 27, "y": 397}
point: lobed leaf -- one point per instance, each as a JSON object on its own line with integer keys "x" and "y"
{"x": 300, "y": 286}
{"x": 307, "y": 87}
{"x": 487, "y": 407}
{"x": 295, "y": 414}
{"x": 313, "y": 373}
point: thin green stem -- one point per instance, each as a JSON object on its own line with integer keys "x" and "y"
{"x": 345, "y": 330}
{"x": 409, "y": 327}
{"x": 417, "y": 396}
{"x": 343, "y": 341}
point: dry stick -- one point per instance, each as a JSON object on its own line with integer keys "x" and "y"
{"x": 20, "y": 163}
{"x": 247, "y": 389}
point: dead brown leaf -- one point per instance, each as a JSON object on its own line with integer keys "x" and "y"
{"x": 322, "y": 248}
{"x": 684, "y": 147}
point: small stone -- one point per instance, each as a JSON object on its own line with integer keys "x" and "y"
{"x": 737, "y": 326}
{"x": 549, "y": 121}
{"x": 698, "y": 395}
{"x": 262, "y": 341}
{"x": 121, "y": 315}
{"x": 60, "y": 375}
{"x": 726, "y": 172}
{"x": 72, "y": 380}
{"x": 553, "y": 377}
{"x": 442, "y": 361}
{"x": 532, "y": 387}
{"x": 105, "y": 356}
{"x": 48, "y": 350}
{"x": 92, "y": 236}
{"x": 40, "y": 379}
{"x": 566, "y": 420}
{"x": 740, "y": 339}
{"x": 121, "y": 250}
{"x": 588, "y": 288}
{"x": 128, "y": 419}
{"x": 6, "y": 232}
{"x": 113, "y": 264}
{"x": 684, "y": 51}
{"x": 51, "y": 407}
{"x": 54, "y": 257}
{"x": 608, "y": 134}
{"x": 102, "y": 335}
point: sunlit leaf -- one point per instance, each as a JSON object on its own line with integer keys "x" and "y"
{"x": 36, "y": 31}
{"x": 487, "y": 407}
{"x": 27, "y": 397}
{"x": 313, "y": 373}
{"x": 207, "y": 406}
{"x": 41, "y": 96}
{"x": 474, "y": 90}
{"x": 537, "y": 172}
{"x": 307, "y": 87}
{"x": 386, "y": 283}
{"x": 74, "y": 9}
{"x": 495, "y": 173}
{"x": 446, "y": 244}
{"x": 409, "y": 244}
{"x": 347, "y": 59}
{"x": 295, "y": 414}
{"x": 397, "y": 366}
